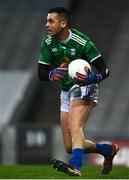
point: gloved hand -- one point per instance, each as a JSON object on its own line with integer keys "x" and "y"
{"x": 90, "y": 78}
{"x": 57, "y": 73}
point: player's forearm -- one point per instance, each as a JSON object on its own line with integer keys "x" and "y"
{"x": 101, "y": 67}
{"x": 92, "y": 78}
{"x": 43, "y": 72}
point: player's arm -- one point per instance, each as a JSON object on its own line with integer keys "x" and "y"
{"x": 101, "y": 68}
{"x": 43, "y": 72}
{"x": 44, "y": 62}
{"x": 102, "y": 72}
{"x": 46, "y": 73}
{"x": 91, "y": 77}
{"x": 97, "y": 61}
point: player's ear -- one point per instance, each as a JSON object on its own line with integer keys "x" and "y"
{"x": 63, "y": 24}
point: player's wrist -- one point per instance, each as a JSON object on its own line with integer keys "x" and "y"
{"x": 57, "y": 73}
{"x": 93, "y": 78}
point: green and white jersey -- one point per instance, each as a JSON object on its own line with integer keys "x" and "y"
{"x": 77, "y": 45}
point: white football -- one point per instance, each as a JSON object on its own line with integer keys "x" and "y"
{"x": 77, "y": 65}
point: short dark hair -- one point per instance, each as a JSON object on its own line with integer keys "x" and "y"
{"x": 64, "y": 13}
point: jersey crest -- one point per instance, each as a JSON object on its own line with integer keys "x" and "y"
{"x": 73, "y": 51}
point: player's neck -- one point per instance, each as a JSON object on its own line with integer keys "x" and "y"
{"x": 64, "y": 35}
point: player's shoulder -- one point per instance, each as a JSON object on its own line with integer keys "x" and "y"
{"x": 79, "y": 34}
{"x": 46, "y": 40}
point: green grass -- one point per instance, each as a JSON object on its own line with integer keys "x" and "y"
{"x": 47, "y": 172}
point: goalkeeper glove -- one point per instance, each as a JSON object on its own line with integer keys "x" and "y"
{"x": 90, "y": 78}
{"x": 57, "y": 73}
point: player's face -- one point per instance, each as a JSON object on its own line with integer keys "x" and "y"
{"x": 54, "y": 24}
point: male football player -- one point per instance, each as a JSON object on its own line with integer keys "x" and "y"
{"x": 78, "y": 97}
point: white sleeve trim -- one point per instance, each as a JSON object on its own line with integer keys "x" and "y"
{"x": 44, "y": 63}
{"x": 95, "y": 58}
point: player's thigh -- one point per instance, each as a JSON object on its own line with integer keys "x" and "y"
{"x": 65, "y": 132}
{"x": 79, "y": 112}
{"x": 82, "y": 100}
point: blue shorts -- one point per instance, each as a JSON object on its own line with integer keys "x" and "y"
{"x": 88, "y": 93}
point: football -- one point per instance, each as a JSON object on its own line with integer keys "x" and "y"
{"x": 78, "y": 65}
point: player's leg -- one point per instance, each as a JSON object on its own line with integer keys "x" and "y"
{"x": 65, "y": 132}
{"x": 64, "y": 110}
{"x": 89, "y": 146}
{"x": 78, "y": 114}
{"x": 72, "y": 129}
{"x": 57, "y": 164}
{"x": 107, "y": 150}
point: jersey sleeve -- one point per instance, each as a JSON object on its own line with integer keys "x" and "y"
{"x": 44, "y": 55}
{"x": 90, "y": 51}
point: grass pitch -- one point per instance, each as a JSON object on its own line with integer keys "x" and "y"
{"x": 47, "y": 172}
